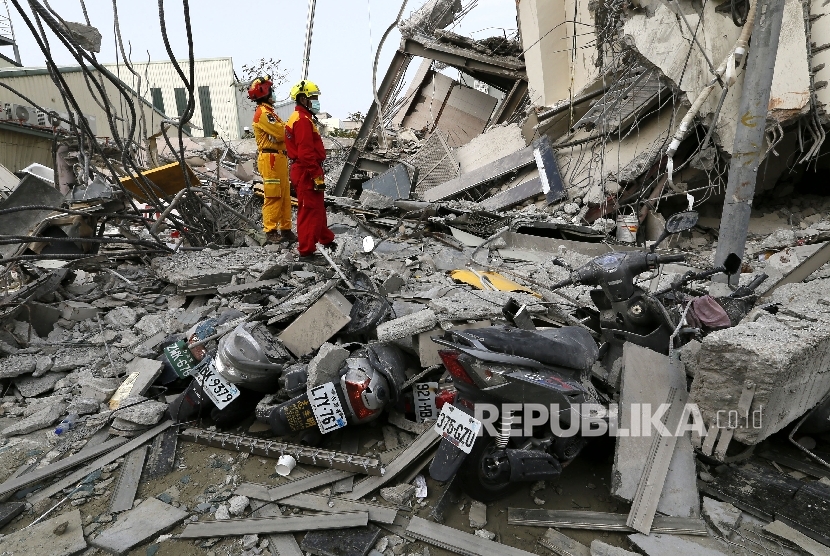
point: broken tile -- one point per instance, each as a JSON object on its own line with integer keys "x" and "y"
{"x": 319, "y": 323}
{"x": 144, "y": 522}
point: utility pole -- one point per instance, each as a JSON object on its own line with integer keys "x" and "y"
{"x": 309, "y": 27}
{"x": 748, "y": 150}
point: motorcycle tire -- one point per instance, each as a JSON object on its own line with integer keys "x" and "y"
{"x": 474, "y": 480}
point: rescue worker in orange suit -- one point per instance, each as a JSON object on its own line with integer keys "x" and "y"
{"x": 306, "y": 151}
{"x": 272, "y": 163}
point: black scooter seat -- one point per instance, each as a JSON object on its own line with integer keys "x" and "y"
{"x": 571, "y": 347}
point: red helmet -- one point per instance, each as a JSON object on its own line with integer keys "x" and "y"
{"x": 260, "y": 88}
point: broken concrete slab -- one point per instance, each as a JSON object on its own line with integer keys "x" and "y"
{"x": 121, "y": 317}
{"x": 78, "y": 311}
{"x": 141, "y": 411}
{"x": 147, "y": 520}
{"x": 325, "y": 366}
{"x": 647, "y": 377}
{"x": 409, "y": 325}
{"x": 45, "y": 417}
{"x": 399, "y": 495}
{"x": 76, "y": 358}
{"x": 59, "y": 536}
{"x": 660, "y": 545}
{"x": 30, "y": 387}
{"x": 723, "y": 516}
{"x": 599, "y": 548}
{"x": 374, "y": 200}
{"x": 16, "y": 365}
{"x": 319, "y": 323}
{"x": 100, "y": 389}
{"x": 785, "y": 359}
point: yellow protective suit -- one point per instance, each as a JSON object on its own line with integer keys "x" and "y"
{"x": 269, "y": 131}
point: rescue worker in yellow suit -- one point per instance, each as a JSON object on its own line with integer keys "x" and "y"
{"x": 272, "y": 163}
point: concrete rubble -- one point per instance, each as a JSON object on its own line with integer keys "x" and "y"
{"x": 157, "y": 350}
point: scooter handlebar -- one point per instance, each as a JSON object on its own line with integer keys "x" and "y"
{"x": 663, "y": 259}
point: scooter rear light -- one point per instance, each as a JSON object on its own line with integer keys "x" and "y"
{"x": 354, "y": 390}
{"x": 450, "y": 359}
{"x": 444, "y": 397}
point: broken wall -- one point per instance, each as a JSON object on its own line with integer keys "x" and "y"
{"x": 550, "y": 38}
{"x": 662, "y": 38}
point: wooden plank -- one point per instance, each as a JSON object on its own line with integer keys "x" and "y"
{"x": 644, "y": 506}
{"x": 563, "y": 545}
{"x": 110, "y": 457}
{"x": 124, "y": 495}
{"x": 792, "y": 463}
{"x": 270, "y": 525}
{"x": 457, "y": 541}
{"x": 280, "y": 544}
{"x": 600, "y": 521}
{"x": 410, "y": 454}
{"x": 253, "y": 490}
{"x": 307, "y": 483}
{"x": 319, "y": 503}
{"x": 59, "y": 466}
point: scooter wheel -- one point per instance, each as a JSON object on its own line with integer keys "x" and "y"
{"x": 480, "y": 479}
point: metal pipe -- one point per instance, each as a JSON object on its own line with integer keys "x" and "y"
{"x": 749, "y": 138}
{"x": 309, "y": 27}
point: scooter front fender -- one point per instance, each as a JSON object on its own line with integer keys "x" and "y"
{"x": 447, "y": 461}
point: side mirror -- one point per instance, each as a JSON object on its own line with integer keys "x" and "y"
{"x": 732, "y": 264}
{"x": 680, "y": 222}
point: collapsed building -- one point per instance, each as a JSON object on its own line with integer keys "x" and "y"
{"x": 134, "y": 271}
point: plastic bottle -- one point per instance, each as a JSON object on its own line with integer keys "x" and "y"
{"x": 67, "y": 424}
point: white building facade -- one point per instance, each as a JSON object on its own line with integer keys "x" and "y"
{"x": 216, "y": 96}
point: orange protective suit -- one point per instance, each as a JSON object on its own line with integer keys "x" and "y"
{"x": 272, "y": 163}
{"x": 306, "y": 151}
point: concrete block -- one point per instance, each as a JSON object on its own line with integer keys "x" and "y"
{"x": 97, "y": 388}
{"x": 399, "y": 495}
{"x": 75, "y": 358}
{"x": 478, "y": 514}
{"x": 146, "y": 413}
{"x": 325, "y": 366}
{"x": 723, "y": 516}
{"x": 83, "y": 406}
{"x": 660, "y": 545}
{"x": 47, "y": 416}
{"x": 646, "y": 379}
{"x": 16, "y": 365}
{"x": 30, "y": 387}
{"x": 599, "y": 548}
{"x": 410, "y": 325}
{"x": 786, "y": 358}
{"x": 319, "y": 323}
{"x": 78, "y": 311}
{"x": 144, "y": 522}
{"x": 50, "y": 537}
{"x": 121, "y": 317}
{"x": 495, "y": 143}
{"x": 44, "y": 365}
{"x": 373, "y": 200}
{"x": 428, "y": 350}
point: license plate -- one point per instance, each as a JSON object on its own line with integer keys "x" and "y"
{"x": 180, "y": 358}
{"x": 326, "y": 407}
{"x": 457, "y": 427}
{"x": 220, "y": 391}
{"x": 425, "y": 409}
